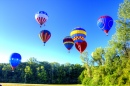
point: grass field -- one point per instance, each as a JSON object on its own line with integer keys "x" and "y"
{"x": 18, "y": 84}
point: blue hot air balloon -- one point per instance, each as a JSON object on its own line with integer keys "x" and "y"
{"x": 105, "y": 23}
{"x": 68, "y": 42}
{"x": 15, "y": 60}
{"x": 78, "y": 34}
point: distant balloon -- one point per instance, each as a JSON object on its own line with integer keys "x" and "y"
{"x": 15, "y": 60}
{"x": 105, "y": 23}
{"x": 41, "y": 17}
{"x": 68, "y": 42}
{"x": 92, "y": 54}
{"x": 78, "y": 34}
{"x": 45, "y": 36}
{"x": 81, "y": 46}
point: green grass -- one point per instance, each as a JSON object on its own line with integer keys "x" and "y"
{"x": 18, "y": 84}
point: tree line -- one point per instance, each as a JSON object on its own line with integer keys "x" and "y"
{"x": 44, "y": 72}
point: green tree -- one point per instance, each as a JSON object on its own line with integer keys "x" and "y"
{"x": 98, "y": 56}
{"x": 40, "y": 72}
{"x": 28, "y": 74}
{"x": 113, "y": 61}
{"x": 42, "y": 76}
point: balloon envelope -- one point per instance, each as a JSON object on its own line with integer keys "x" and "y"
{"x": 78, "y": 34}
{"x": 45, "y": 35}
{"x": 41, "y": 17}
{"x": 105, "y": 23}
{"x": 15, "y": 59}
{"x": 68, "y": 42}
{"x": 81, "y": 46}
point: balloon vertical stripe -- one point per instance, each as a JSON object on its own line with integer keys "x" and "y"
{"x": 45, "y": 35}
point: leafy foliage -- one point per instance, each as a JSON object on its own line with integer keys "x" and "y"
{"x": 113, "y": 62}
{"x": 34, "y": 71}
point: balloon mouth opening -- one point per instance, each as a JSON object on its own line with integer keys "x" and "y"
{"x": 68, "y": 50}
{"x": 13, "y": 69}
{"x": 106, "y": 31}
{"x": 80, "y": 42}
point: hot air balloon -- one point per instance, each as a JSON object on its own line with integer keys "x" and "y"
{"x": 105, "y": 23}
{"x": 41, "y": 17}
{"x": 92, "y": 54}
{"x": 81, "y": 46}
{"x": 45, "y": 36}
{"x": 78, "y": 34}
{"x": 68, "y": 42}
{"x": 15, "y": 60}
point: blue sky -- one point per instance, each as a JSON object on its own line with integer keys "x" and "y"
{"x": 19, "y": 29}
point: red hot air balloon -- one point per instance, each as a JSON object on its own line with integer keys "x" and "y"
{"x": 81, "y": 46}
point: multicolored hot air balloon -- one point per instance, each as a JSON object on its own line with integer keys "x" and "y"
{"x": 105, "y": 23}
{"x": 81, "y": 46}
{"x": 68, "y": 42}
{"x": 15, "y": 60}
{"x": 45, "y": 36}
{"x": 78, "y": 34}
{"x": 41, "y": 17}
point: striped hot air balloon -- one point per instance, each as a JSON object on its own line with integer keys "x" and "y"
{"x": 68, "y": 42}
{"x": 78, "y": 34}
{"x": 45, "y": 36}
{"x": 41, "y": 17}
